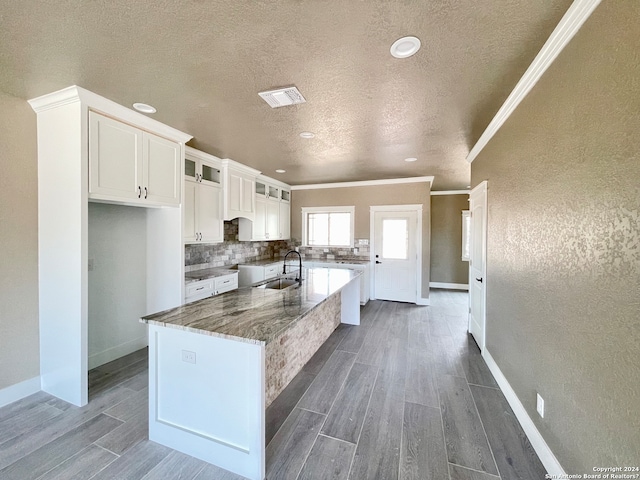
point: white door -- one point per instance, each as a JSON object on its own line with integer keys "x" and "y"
{"x": 395, "y": 255}
{"x": 162, "y": 170}
{"x": 477, "y": 263}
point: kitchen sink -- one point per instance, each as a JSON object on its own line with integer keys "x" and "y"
{"x": 279, "y": 284}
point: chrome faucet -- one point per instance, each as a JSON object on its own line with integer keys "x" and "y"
{"x": 284, "y": 267}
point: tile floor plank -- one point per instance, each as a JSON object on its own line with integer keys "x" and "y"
{"x": 130, "y": 433}
{"x": 135, "y": 405}
{"x": 329, "y": 459}
{"x": 511, "y": 448}
{"x": 52, "y": 454}
{"x": 315, "y": 364}
{"x": 325, "y": 387}
{"x": 176, "y": 465}
{"x": 84, "y": 464}
{"x": 354, "y": 339}
{"x": 465, "y": 437}
{"x": 284, "y": 404}
{"x": 423, "y": 454}
{"x": 211, "y": 472}
{"x": 135, "y": 463}
{"x": 460, "y": 473}
{"x": 347, "y": 414}
{"x": 421, "y": 384}
{"x": 26, "y": 420}
{"x": 289, "y": 448}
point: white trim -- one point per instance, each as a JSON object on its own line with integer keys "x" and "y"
{"x": 265, "y": 179}
{"x": 450, "y": 192}
{"x": 364, "y": 183}
{"x": 19, "y": 391}
{"x": 571, "y": 22}
{"x": 397, "y": 208}
{"x": 548, "y": 459}
{"x": 200, "y": 155}
{"x": 449, "y": 286}
{"x": 103, "y": 105}
{"x": 118, "y": 351}
{"x": 346, "y": 209}
{"x": 227, "y": 162}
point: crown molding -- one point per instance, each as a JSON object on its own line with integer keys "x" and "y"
{"x": 573, "y": 19}
{"x": 450, "y": 192}
{"x": 196, "y": 154}
{"x": 365, "y": 183}
{"x": 108, "y": 107}
{"x": 273, "y": 181}
{"x": 227, "y": 162}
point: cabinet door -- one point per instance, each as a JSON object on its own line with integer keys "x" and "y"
{"x": 209, "y": 212}
{"x": 248, "y": 185}
{"x": 234, "y": 194}
{"x": 115, "y": 159}
{"x": 189, "y": 211}
{"x": 285, "y": 221}
{"x": 273, "y": 222}
{"x": 161, "y": 170}
{"x": 260, "y": 220}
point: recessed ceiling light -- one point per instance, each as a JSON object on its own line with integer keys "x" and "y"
{"x": 410, "y": 159}
{"x": 405, "y": 47}
{"x": 307, "y": 134}
{"x": 144, "y": 108}
{"x": 280, "y": 170}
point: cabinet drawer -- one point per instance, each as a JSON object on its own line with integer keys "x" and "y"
{"x": 271, "y": 271}
{"x": 197, "y": 290}
{"x": 226, "y": 283}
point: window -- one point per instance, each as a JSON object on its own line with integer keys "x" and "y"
{"x": 327, "y": 226}
{"x": 466, "y": 235}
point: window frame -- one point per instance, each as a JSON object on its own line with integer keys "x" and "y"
{"x": 351, "y": 210}
{"x": 466, "y": 234}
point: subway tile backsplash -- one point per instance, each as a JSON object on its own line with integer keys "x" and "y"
{"x": 232, "y": 252}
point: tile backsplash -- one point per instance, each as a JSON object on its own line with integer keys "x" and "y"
{"x": 232, "y": 252}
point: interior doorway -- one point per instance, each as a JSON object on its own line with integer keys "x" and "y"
{"x": 477, "y": 263}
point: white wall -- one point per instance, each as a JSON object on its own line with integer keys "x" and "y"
{"x": 117, "y": 283}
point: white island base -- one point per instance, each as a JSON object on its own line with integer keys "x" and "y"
{"x": 207, "y": 393}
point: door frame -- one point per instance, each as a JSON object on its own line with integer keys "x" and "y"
{"x": 397, "y": 208}
{"x": 481, "y": 186}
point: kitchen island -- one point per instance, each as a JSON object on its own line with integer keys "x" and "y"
{"x": 216, "y": 364}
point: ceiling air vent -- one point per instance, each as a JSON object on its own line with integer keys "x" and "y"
{"x": 282, "y": 97}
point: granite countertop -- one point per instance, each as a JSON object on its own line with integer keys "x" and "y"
{"x": 255, "y": 315}
{"x": 348, "y": 261}
{"x": 260, "y": 263}
{"x": 206, "y": 273}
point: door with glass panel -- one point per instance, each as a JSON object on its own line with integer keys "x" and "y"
{"x": 395, "y": 267}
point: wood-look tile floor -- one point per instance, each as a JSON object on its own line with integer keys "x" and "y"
{"x": 406, "y": 395}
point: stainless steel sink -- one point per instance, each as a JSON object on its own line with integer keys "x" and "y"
{"x": 279, "y": 284}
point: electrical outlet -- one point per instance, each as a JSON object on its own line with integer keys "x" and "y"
{"x": 326, "y": 250}
{"x": 189, "y": 357}
{"x": 355, "y": 250}
{"x": 540, "y": 405}
{"x": 363, "y": 241}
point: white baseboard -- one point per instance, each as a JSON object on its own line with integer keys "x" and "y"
{"x": 423, "y": 301}
{"x": 118, "y": 351}
{"x": 19, "y": 391}
{"x": 538, "y": 443}
{"x": 449, "y": 286}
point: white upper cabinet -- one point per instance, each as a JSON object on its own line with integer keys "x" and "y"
{"x": 129, "y": 165}
{"x": 202, "y": 213}
{"x": 272, "y": 214}
{"x": 239, "y": 184}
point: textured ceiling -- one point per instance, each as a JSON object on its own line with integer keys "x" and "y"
{"x": 201, "y": 64}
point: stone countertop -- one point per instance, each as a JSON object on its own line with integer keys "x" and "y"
{"x": 262, "y": 263}
{"x": 340, "y": 261}
{"x": 255, "y": 315}
{"x": 206, "y": 273}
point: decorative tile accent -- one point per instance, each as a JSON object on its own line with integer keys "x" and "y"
{"x": 286, "y": 355}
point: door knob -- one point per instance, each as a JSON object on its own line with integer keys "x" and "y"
{"x": 479, "y": 279}
{"x": 378, "y": 261}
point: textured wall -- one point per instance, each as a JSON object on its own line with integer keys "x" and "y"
{"x": 446, "y": 239}
{"x": 563, "y": 267}
{"x": 19, "y": 347}
{"x": 362, "y": 198}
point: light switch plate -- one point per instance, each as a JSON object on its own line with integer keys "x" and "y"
{"x": 363, "y": 241}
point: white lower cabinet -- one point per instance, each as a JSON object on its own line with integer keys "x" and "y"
{"x": 210, "y": 287}
{"x": 250, "y": 274}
